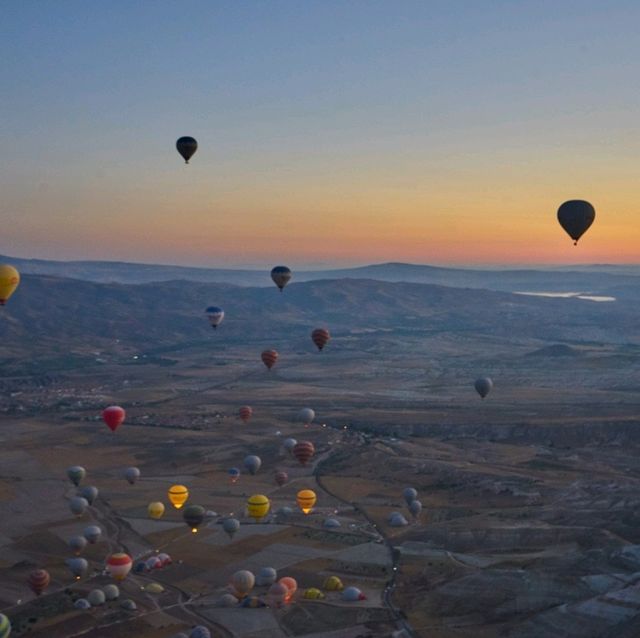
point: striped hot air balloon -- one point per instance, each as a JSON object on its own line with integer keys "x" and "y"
{"x": 245, "y": 413}
{"x": 119, "y": 565}
{"x": 39, "y": 580}
{"x": 303, "y": 451}
{"x": 269, "y": 358}
{"x": 320, "y": 336}
{"x": 306, "y": 499}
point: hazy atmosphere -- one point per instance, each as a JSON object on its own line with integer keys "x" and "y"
{"x": 319, "y": 319}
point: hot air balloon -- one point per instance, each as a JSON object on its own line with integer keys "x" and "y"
{"x": 415, "y": 507}
{"x": 333, "y": 583}
{"x": 258, "y": 506}
{"x": 119, "y": 565}
{"x": 111, "y": 591}
{"x": 78, "y": 505}
{"x": 483, "y": 386}
{"x": 234, "y": 474}
{"x": 9, "y": 281}
{"x": 186, "y": 146}
{"x": 281, "y": 477}
{"x": 113, "y": 416}
{"x": 269, "y": 358}
{"x": 242, "y": 582}
{"x": 303, "y": 452}
{"x": 306, "y": 416}
{"x": 39, "y": 580}
{"x": 281, "y": 276}
{"x": 132, "y": 474}
{"x": 152, "y": 563}
{"x": 76, "y": 474}
{"x": 266, "y": 576}
{"x": 129, "y": 605}
{"x": 178, "y": 495}
{"x": 409, "y": 494}
{"x": 200, "y": 631}
{"x": 5, "y": 626}
{"x": 289, "y": 444}
{"x": 396, "y": 519}
{"x": 277, "y": 595}
{"x": 193, "y": 516}
{"x": 155, "y": 510}
{"x": 331, "y": 523}
{"x": 96, "y": 597}
{"x": 77, "y": 544}
{"x": 252, "y": 463}
{"x": 306, "y": 499}
{"x": 576, "y": 216}
{"x": 90, "y": 492}
{"x": 165, "y": 559}
{"x": 231, "y": 526}
{"x": 320, "y": 337}
{"x": 291, "y": 584}
{"x": 82, "y": 603}
{"x": 352, "y": 594}
{"x": 245, "y": 413}
{"x": 313, "y": 593}
{"x": 215, "y": 316}
{"x": 77, "y": 566}
{"x": 92, "y": 533}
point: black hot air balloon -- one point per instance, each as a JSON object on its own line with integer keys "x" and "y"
{"x": 575, "y": 216}
{"x": 187, "y": 146}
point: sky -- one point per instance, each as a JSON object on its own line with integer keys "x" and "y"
{"x": 330, "y": 133}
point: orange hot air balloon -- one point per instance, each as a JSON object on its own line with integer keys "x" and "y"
{"x": 269, "y": 358}
{"x": 39, "y": 580}
{"x": 9, "y": 281}
{"x": 306, "y": 499}
{"x": 281, "y": 478}
{"x": 292, "y": 586}
{"x": 245, "y": 413}
{"x": 320, "y": 337}
{"x": 113, "y": 416}
{"x": 119, "y": 565}
{"x": 303, "y": 451}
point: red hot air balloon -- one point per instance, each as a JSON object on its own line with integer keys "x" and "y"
{"x": 303, "y": 451}
{"x": 281, "y": 478}
{"x": 113, "y": 416}
{"x": 245, "y": 413}
{"x": 39, "y": 580}
{"x": 269, "y": 358}
{"x": 320, "y": 337}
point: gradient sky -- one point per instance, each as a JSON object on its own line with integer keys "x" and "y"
{"x": 330, "y": 133}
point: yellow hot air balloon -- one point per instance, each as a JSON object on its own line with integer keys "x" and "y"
{"x": 258, "y": 506}
{"x": 155, "y": 509}
{"x": 178, "y": 495}
{"x": 9, "y": 280}
{"x": 306, "y": 500}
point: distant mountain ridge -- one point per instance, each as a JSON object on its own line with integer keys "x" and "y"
{"x": 595, "y": 278}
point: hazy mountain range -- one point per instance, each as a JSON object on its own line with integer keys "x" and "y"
{"x": 595, "y": 278}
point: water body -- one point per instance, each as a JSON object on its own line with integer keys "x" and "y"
{"x": 568, "y": 295}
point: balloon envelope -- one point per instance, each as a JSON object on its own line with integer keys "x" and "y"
{"x": 231, "y": 526}
{"x": 483, "y": 386}
{"x": 193, "y": 516}
{"x": 258, "y": 506}
{"x": 39, "y": 580}
{"x": 303, "y": 451}
{"x": 215, "y": 316}
{"x": 576, "y": 216}
{"x": 281, "y": 275}
{"x": 252, "y": 463}
{"x": 306, "y": 416}
{"x": 90, "y": 492}
{"x": 245, "y": 413}
{"x": 132, "y": 474}
{"x": 320, "y": 337}
{"x": 243, "y": 581}
{"x": 9, "y": 281}
{"x": 155, "y": 510}
{"x": 306, "y": 499}
{"x": 269, "y": 358}
{"x": 119, "y": 565}
{"x": 113, "y": 416}
{"x": 76, "y": 473}
{"x": 178, "y": 495}
{"x": 186, "y": 146}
